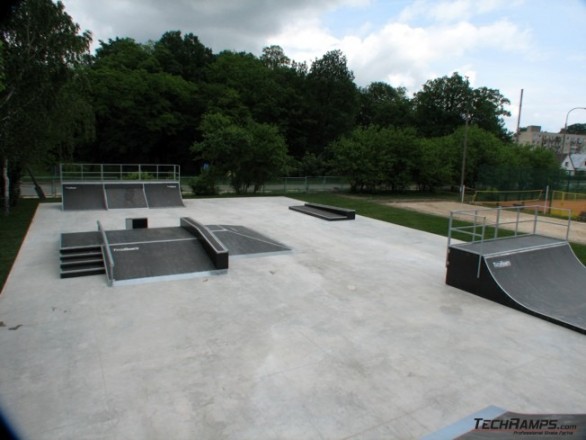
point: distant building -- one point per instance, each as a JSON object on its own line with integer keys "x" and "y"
{"x": 532, "y": 135}
{"x": 574, "y": 163}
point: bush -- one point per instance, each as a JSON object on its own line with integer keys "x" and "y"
{"x": 203, "y": 185}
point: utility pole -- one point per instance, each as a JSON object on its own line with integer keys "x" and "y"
{"x": 518, "y": 132}
{"x": 464, "y": 151}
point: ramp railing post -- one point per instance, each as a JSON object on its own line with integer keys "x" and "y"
{"x": 517, "y": 222}
{"x": 450, "y": 222}
{"x": 109, "y": 259}
{"x": 481, "y": 249}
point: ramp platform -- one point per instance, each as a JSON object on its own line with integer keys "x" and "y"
{"x": 536, "y": 274}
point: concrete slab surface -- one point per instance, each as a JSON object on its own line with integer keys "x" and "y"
{"x": 352, "y": 335}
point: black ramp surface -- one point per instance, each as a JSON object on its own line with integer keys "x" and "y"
{"x": 78, "y": 196}
{"x": 549, "y": 281}
{"x": 163, "y": 195}
{"x": 125, "y": 195}
{"x": 320, "y": 213}
{"x": 241, "y": 240}
{"x": 125, "y": 236}
{"x": 158, "y": 259}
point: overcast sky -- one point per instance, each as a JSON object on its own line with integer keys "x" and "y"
{"x": 535, "y": 45}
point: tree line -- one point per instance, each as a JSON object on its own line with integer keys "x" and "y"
{"x": 233, "y": 114}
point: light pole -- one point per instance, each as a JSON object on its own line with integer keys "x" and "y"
{"x": 566, "y": 129}
{"x": 463, "y": 172}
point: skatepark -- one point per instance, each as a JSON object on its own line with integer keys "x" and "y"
{"x": 343, "y": 329}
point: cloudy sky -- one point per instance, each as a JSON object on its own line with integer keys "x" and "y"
{"x": 509, "y": 45}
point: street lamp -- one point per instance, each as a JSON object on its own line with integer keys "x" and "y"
{"x": 463, "y": 172}
{"x": 566, "y": 128}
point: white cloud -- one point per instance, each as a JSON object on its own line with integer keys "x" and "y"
{"x": 449, "y": 11}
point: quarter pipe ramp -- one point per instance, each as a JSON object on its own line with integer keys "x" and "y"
{"x": 535, "y": 274}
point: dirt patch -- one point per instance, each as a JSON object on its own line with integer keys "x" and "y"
{"x": 547, "y": 226}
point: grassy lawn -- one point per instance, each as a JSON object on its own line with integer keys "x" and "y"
{"x": 12, "y": 232}
{"x": 13, "y": 228}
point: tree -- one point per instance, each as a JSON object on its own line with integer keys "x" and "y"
{"x": 576, "y": 129}
{"x": 384, "y": 105}
{"x": 274, "y": 57}
{"x": 374, "y": 157}
{"x": 437, "y": 163}
{"x": 334, "y": 100}
{"x": 142, "y": 112}
{"x": 42, "y": 52}
{"x": 443, "y": 105}
{"x": 247, "y": 152}
{"x": 183, "y": 56}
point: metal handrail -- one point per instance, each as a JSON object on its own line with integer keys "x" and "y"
{"x": 107, "y": 254}
{"x": 498, "y": 224}
{"x": 115, "y": 171}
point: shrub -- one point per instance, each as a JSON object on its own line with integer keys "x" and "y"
{"x": 204, "y": 184}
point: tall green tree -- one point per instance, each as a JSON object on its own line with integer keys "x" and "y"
{"x": 42, "y": 52}
{"x": 334, "y": 100}
{"x": 444, "y": 104}
{"x": 142, "y": 112}
{"x": 183, "y": 55}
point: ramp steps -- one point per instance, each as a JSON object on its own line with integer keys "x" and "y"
{"x": 81, "y": 261}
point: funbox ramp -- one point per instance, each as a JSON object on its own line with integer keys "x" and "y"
{"x": 140, "y": 254}
{"x": 537, "y": 275}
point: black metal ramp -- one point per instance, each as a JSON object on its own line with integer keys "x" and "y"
{"x": 241, "y": 240}
{"x": 125, "y": 195}
{"x": 538, "y": 275}
{"x": 325, "y": 212}
{"x": 163, "y": 194}
{"x": 156, "y": 253}
{"x": 83, "y": 196}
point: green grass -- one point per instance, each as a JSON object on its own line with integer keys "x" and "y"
{"x": 13, "y": 229}
{"x": 371, "y": 207}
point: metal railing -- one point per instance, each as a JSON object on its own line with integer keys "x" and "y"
{"x": 107, "y": 253}
{"x": 480, "y": 220}
{"x": 76, "y": 172}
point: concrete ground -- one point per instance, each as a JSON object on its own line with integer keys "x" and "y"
{"x": 352, "y": 335}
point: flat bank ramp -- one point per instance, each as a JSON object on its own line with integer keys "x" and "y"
{"x": 83, "y": 196}
{"x": 537, "y": 275}
{"x": 121, "y": 195}
{"x": 163, "y": 195}
{"x": 128, "y": 195}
